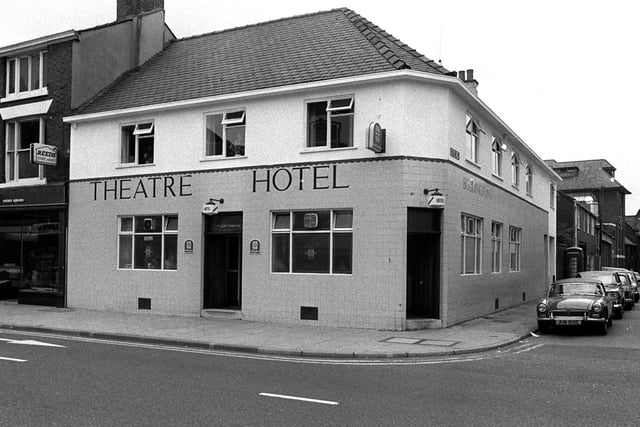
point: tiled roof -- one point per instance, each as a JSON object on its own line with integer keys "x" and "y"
{"x": 587, "y": 175}
{"x": 301, "y": 49}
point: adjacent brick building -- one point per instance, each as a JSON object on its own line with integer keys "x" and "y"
{"x": 41, "y": 81}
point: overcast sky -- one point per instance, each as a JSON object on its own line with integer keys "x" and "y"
{"x": 560, "y": 73}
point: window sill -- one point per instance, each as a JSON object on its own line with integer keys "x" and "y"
{"x": 515, "y": 187}
{"x": 25, "y": 95}
{"x": 325, "y": 149}
{"x": 471, "y": 162}
{"x": 129, "y": 166}
{"x": 497, "y": 177}
{"x": 220, "y": 158}
{"x": 24, "y": 183}
{"x": 470, "y": 274}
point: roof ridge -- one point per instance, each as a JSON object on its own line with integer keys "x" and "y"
{"x": 258, "y": 24}
{"x": 369, "y": 30}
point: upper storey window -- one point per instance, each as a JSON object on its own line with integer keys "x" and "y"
{"x": 137, "y": 144}
{"x": 496, "y": 156}
{"x": 19, "y": 135}
{"x": 330, "y": 123}
{"x": 26, "y": 76}
{"x": 473, "y": 136}
{"x": 515, "y": 170}
{"x": 225, "y": 134}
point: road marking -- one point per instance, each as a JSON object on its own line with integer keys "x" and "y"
{"x": 528, "y": 349}
{"x": 31, "y": 342}
{"x": 9, "y": 359}
{"x": 303, "y": 399}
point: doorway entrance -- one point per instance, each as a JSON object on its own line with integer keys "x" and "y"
{"x": 423, "y": 263}
{"x": 223, "y": 261}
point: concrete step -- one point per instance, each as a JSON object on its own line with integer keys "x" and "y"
{"x": 219, "y": 313}
{"x": 413, "y": 324}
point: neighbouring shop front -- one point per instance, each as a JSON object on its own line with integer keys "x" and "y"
{"x": 32, "y": 245}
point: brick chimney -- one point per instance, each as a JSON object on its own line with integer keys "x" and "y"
{"x": 129, "y": 8}
{"x": 468, "y": 79}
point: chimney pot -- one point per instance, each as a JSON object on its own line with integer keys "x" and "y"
{"x": 461, "y": 75}
{"x": 470, "y": 74}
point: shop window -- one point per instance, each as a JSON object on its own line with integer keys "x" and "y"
{"x": 19, "y": 136}
{"x": 312, "y": 242}
{"x": 496, "y": 157}
{"x": 137, "y": 147}
{"x": 496, "y": 247}
{"x": 471, "y": 235}
{"x": 225, "y": 134}
{"x": 515, "y": 234}
{"x": 473, "y": 135}
{"x": 148, "y": 242}
{"x": 330, "y": 123}
{"x": 26, "y": 76}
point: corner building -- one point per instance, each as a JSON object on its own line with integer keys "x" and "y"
{"x": 336, "y": 178}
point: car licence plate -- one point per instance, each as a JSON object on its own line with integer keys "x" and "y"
{"x": 568, "y": 322}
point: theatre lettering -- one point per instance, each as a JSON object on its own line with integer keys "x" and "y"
{"x": 142, "y": 188}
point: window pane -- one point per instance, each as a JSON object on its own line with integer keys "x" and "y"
{"x": 145, "y": 154}
{"x": 149, "y": 224}
{"x": 341, "y": 131}
{"x": 340, "y": 104}
{"x": 11, "y": 136}
{"x": 147, "y": 251}
{"x": 12, "y": 76}
{"x": 35, "y": 72}
{"x": 128, "y": 153}
{"x": 322, "y": 224}
{"x": 235, "y": 117}
{"x": 24, "y": 74}
{"x": 214, "y": 135}
{"x": 124, "y": 258}
{"x": 235, "y": 141}
{"x": 171, "y": 223}
{"x": 143, "y": 129}
{"x": 126, "y": 224}
{"x": 469, "y": 261}
{"x": 342, "y": 250}
{"x": 44, "y": 69}
{"x": 26, "y": 169}
{"x": 171, "y": 252}
{"x": 281, "y": 221}
{"x": 280, "y": 253}
{"x": 29, "y": 133}
{"x": 343, "y": 219}
{"x": 12, "y": 167}
{"x": 317, "y": 124}
{"x": 311, "y": 253}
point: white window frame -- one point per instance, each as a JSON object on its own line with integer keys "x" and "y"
{"x": 142, "y": 130}
{"x": 472, "y": 130}
{"x": 552, "y": 196}
{"x": 496, "y": 156}
{"x": 496, "y": 247}
{"x": 13, "y": 179}
{"x": 515, "y": 245}
{"x": 515, "y": 170}
{"x": 226, "y": 122}
{"x": 476, "y": 237}
{"x": 39, "y": 90}
{"x": 164, "y": 232}
{"x": 332, "y": 232}
{"x": 347, "y": 110}
{"x": 528, "y": 180}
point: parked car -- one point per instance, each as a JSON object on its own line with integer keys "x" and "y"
{"x": 576, "y": 302}
{"x": 608, "y": 277}
{"x": 633, "y": 276}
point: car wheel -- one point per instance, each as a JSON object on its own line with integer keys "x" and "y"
{"x": 604, "y": 328}
{"x": 610, "y": 321}
{"x": 543, "y": 329}
{"x": 619, "y": 313}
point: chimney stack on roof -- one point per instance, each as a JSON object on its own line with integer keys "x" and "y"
{"x": 468, "y": 79}
{"x": 129, "y": 8}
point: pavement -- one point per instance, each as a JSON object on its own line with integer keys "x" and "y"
{"x": 482, "y": 334}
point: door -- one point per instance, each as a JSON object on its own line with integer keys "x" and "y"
{"x": 423, "y": 263}
{"x": 223, "y": 262}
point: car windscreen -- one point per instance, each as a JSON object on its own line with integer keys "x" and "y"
{"x": 562, "y": 289}
{"x": 607, "y": 279}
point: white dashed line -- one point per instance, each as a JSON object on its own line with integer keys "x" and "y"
{"x": 304, "y": 399}
{"x": 9, "y": 359}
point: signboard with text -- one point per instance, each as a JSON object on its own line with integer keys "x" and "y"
{"x": 45, "y": 155}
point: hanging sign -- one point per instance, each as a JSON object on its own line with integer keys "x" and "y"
{"x": 376, "y": 138}
{"x": 42, "y": 154}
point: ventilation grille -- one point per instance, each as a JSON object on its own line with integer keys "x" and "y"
{"x": 144, "y": 303}
{"x": 309, "y": 313}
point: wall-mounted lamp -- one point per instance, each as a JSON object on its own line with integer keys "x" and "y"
{"x": 435, "y": 199}
{"x": 434, "y": 191}
{"x": 211, "y": 207}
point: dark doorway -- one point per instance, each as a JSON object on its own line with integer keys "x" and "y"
{"x": 223, "y": 261}
{"x": 423, "y": 263}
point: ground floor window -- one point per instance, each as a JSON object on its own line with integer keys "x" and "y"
{"x": 148, "y": 242}
{"x": 312, "y": 242}
{"x": 471, "y": 235}
{"x": 514, "y": 248}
